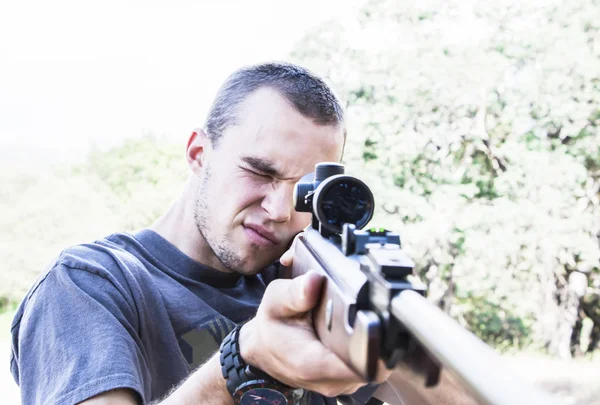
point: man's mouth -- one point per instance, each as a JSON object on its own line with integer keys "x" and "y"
{"x": 260, "y": 235}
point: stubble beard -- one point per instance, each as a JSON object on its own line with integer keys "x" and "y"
{"x": 228, "y": 257}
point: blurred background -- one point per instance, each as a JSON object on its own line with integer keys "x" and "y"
{"x": 476, "y": 124}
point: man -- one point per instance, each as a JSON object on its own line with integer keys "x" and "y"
{"x": 124, "y": 319}
{"x": 138, "y": 318}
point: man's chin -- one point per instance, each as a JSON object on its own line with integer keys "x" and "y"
{"x": 250, "y": 268}
{"x": 247, "y": 272}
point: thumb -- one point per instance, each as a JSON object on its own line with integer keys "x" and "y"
{"x": 291, "y": 298}
{"x": 288, "y": 257}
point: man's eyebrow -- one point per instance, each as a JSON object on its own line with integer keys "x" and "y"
{"x": 262, "y": 165}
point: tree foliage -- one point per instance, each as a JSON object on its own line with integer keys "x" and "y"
{"x": 477, "y": 126}
{"x": 43, "y": 212}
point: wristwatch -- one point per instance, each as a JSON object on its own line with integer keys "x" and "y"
{"x": 249, "y": 385}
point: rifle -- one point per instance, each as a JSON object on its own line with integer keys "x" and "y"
{"x": 374, "y": 308}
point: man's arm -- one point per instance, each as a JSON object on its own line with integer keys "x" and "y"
{"x": 280, "y": 340}
{"x": 206, "y": 385}
{"x": 292, "y": 356}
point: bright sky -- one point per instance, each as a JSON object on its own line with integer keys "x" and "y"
{"x": 78, "y": 73}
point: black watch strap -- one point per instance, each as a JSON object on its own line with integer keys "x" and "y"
{"x": 240, "y": 376}
{"x": 233, "y": 366}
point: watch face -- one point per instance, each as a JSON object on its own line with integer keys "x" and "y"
{"x": 263, "y": 396}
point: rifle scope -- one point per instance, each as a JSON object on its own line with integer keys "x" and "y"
{"x": 334, "y": 198}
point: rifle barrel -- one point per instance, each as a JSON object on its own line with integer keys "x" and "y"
{"x": 476, "y": 365}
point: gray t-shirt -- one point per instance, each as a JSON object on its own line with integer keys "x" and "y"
{"x": 128, "y": 311}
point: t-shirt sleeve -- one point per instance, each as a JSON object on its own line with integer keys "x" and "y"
{"x": 75, "y": 336}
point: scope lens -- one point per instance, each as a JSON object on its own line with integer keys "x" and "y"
{"x": 344, "y": 200}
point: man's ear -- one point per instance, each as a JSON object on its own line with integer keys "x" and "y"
{"x": 197, "y": 148}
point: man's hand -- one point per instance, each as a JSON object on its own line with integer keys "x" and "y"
{"x": 288, "y": 257}
{"x": 281, "y": 340}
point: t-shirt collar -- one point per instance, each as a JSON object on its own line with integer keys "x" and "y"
{"x": 175, "y": 260}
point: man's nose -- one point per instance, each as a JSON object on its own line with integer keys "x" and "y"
{"x": 278, "y": 202}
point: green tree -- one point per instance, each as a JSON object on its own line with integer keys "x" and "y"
{"x": 45, "y": 211}
{"x": 477, "y": 126}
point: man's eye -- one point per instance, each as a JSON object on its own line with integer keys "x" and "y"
{"x": 264, "y": 176}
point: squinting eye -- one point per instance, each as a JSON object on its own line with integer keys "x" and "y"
{"x": 264, "y": 176}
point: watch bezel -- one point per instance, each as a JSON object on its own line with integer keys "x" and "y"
{"x": 287, "y": 392}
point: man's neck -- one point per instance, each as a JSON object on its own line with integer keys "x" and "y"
{"x": 178, "y": 226}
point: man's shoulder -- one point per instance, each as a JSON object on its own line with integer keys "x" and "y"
{"x": 91, "y": 268}
{"x": 107, "y": 254}
{"x": 83, "y": 299}
{"x": 84, "y": 263}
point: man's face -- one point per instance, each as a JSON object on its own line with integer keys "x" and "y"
{"x": 244, "y": 207}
